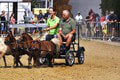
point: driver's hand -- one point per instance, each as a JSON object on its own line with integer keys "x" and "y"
{"x": 47, "y": 29}
{"x": 60, "y": 31}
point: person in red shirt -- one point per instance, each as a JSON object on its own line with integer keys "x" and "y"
{"x": 92, "y": 22}
{"x": 3, "y": 22}
{"x": 12, "y": 21}
{"x": 104, "y": 26}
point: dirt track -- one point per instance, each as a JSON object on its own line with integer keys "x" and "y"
{"x": 102, "y": 63}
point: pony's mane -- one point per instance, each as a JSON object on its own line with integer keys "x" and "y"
{"x": 11, "y": 37}
{"x": 28, "y": 36}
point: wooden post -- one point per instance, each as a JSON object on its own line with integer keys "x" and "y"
{"x": 15, "y": 9}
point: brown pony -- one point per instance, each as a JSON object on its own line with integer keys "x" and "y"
{"x": 48, "y": 48}
{"x": 35, "y": 52}
{"x": 25, "y": 45}
{"x": 43, "y": 49}
{"x": 10, "y": 41}
{"x": 38, "y": 49}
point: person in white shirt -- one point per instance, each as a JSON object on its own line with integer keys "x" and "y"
{"x": 78, "y": 17}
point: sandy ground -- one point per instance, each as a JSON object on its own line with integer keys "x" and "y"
{"x": 102, "y": 62}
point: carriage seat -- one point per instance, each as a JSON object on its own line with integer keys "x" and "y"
{"x": 64, "y": 48}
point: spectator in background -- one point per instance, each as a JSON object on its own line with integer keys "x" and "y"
{"x": 87, "y": 20}
{"x": 26, "y": 19}
{"x": 97, "y": 25}
{"x": 112, "y": 19}
{"x": 92, "y": 22}
{"x": 42, "y": 20}
{"x": 90, "y": 12}
{"x": 3, "y": 22}
{"x": 104, "y": 26}
{"x": 107, "y": 15}
{"x": 40, "y": 16}
{"x": 47, "y": 14}
{"x": 12, "y": 21}
{"x": 79, "y": 19}
{"x": 30, "y": 15}
{"x": 35, "y": 20}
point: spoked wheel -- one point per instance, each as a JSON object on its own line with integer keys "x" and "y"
{"x": 42, "y": 60}
{"x": 81, "y": 56}
{"x": 70, "y": 58}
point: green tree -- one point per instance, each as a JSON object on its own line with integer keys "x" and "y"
{"x": 34, "y": 3}
{"x": 109, "y": 5}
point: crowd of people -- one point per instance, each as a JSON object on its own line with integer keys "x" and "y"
{"x": 3, "y": 23}
{"x": 36, "y": 19}
{"x": 105, "y": 26}
{"x": 41, "y": 18}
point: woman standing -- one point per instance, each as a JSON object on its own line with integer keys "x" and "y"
{"x": 12, "y": 21}
{"x": 35, "y": 20}
{"x": 3, "y": 22}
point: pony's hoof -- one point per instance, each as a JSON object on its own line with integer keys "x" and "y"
{"x": 5, "y": 67}
{"x": 21, "y": 65}
{"x": 15, "y": 66}
{"x": 50, "y": 66}
{"x": 29, "y": 67}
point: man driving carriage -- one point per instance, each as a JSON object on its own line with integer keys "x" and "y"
{"x": 52, "y": 24}
{"x": 67, "y": 29}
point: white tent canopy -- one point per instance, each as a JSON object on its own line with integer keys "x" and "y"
{"x": 8, "y": 8}
{"x": 11, "y": 0}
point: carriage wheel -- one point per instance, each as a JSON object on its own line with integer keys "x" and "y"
{"x": 70, "y": 58}
{"x": 42, "y": 60}
{"x": 80, "y": 56}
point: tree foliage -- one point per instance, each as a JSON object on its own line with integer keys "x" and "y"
{"x": 61, "y": 5}
{"x": 109, "y": 5}
{"x": 34, "y": 3}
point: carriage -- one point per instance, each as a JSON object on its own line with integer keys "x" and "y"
{"x": 75, "y": 51}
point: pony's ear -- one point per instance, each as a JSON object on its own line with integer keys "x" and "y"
{"x": 9, "y": 32}
{"x": 23, "y": 33}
